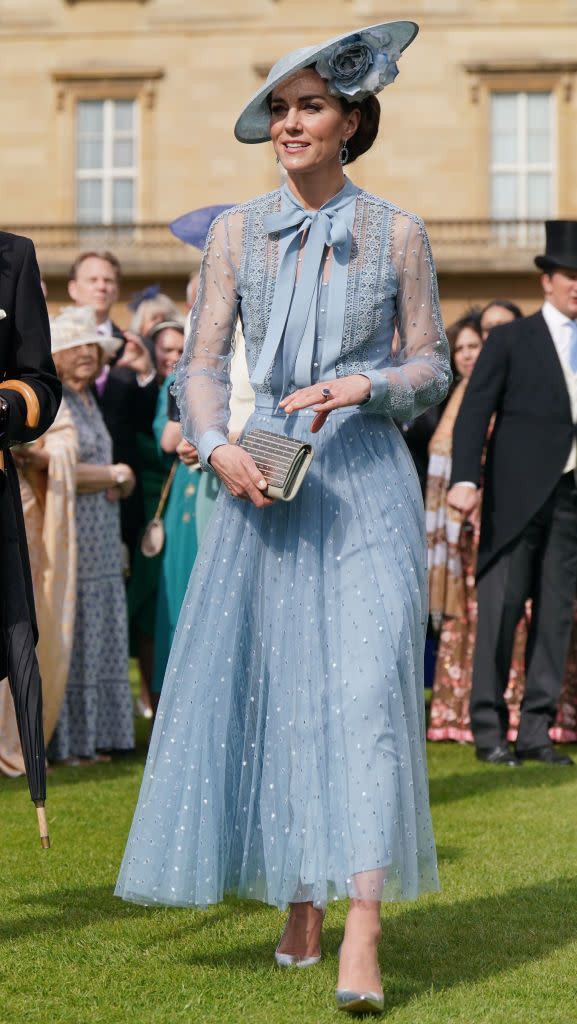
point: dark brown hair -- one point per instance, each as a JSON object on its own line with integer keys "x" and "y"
{"x": 103, "y": 254}
{"x": 368, "y": 128}
{"x": 471, "y": 319}
{"x": 511, "y": 307}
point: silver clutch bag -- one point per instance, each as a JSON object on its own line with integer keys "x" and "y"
{"x": 283, "y": 461}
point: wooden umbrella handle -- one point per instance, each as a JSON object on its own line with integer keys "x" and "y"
{"x": 32, "y": 409}
{"x": 42, "y": 825}
{"x": 30, "y": 397}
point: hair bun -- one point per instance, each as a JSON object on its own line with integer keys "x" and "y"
{"x": 367, "y": 131}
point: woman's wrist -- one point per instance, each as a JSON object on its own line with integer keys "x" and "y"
{"x": 119, "y": 475}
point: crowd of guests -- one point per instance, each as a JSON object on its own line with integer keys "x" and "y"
{"x": 453, "y": 544}
{"x": 115, "y": 505}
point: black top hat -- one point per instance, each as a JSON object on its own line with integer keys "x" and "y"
{"x": 560, "y": 247}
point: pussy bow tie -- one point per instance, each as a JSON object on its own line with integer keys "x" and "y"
{"x": 293, "y": 314}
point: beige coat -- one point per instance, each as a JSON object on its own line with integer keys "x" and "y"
{"x": 49, "y": 504}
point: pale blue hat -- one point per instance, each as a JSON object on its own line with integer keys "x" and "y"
{"x": 356, "y": 65}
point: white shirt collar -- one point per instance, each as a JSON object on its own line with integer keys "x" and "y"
{"x": 554, "y": 318}
{"x": 105, "y": 328}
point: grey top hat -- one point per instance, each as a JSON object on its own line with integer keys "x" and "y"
{"x": 355, "y": 64}
{"x": 560, "y": 246}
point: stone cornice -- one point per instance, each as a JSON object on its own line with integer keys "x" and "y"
{"x": 521, "y": 65}
{"x": 100, "y": 72}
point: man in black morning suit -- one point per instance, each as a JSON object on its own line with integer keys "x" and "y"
{"x": 24, "y": 357}
{"x": 527, "y": 376}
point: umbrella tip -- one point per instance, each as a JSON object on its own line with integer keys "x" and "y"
{"x": 42, "y": 825}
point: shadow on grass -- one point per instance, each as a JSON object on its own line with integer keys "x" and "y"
{"x": 462, "y": 785}
{"x": 428, "y": 946}
{"x": 433, "y": 946}
{"x": 459, "y": 785}
{"x": 449, "y": 854}
{"x": 72, "y": 909}
{"x": 64, "y": 775}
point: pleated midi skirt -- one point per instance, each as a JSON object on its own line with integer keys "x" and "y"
{"x": 287, "y": 760}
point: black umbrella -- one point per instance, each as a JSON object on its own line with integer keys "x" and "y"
{"x": 18, "y": 637}
{"x": 26, "y": 689}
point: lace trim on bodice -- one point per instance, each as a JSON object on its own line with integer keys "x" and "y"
{"x": 258, "y": 273}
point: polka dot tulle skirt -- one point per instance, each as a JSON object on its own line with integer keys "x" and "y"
{"x": 287, "y": 760}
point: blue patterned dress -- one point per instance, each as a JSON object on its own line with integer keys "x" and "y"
{"x": 97, "y": 710}
{"x": 288, "y": 760}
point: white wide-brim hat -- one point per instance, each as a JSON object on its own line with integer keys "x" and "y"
{"x": 76, "y": 325}
{"x": 356, "y": 64}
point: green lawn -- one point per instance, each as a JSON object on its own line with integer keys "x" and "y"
{"x": 499, "y": 945}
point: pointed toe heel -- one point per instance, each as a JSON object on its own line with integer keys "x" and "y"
{"x": 359, "y": 1002}
{"x": 291, "y": 959}
{"x": 288, "y": 960}
{"x": 284, "y": 959}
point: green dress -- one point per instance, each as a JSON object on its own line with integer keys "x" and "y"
{"x": 180, "y": 546}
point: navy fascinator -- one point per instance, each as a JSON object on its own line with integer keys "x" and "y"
{"x": 193, "y": 227}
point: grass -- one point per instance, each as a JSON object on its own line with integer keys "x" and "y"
{"x": 497, "y": 946}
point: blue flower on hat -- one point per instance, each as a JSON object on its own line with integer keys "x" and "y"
{"x": 360, "y": 66}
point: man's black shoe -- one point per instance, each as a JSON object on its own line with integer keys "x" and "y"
{"x": 546, "y": 755}
{"x": 498, "y": 755}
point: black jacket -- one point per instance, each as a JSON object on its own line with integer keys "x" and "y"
{"x": 24, "y": 355}
{"x": 128, "y": 410}
{"x": 519, "y": 377}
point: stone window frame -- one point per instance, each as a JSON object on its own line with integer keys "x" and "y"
{"x": 74, "y": 84}
{"x": 559, "y": 77}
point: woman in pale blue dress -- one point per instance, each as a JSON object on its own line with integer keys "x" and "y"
{"x": 288, "y": 761}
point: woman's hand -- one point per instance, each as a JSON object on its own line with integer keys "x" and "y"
{"x": 240, "y": 474}
{"x": 31, "y": 456}
{"x": 123, "y": 489}
{"x": 136, "y": 356}
{"x": 464, "y": 499}
{"x": 343, "y": 391}
{"x": 187, "y": 453}
{"x": 171, "y": 437}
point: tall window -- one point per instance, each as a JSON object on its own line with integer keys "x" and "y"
{"x": 522, "y": 155}
{"x": 106, "y": 161}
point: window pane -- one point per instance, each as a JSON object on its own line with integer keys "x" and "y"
{"x": 504, "y": 196}
{"x": 90, "y": 115}
{"x": 123, "y": 153}
{"x": 538, "y": 127}
{"x": 89, "y": 154}
{"x": 504, "y": 107}
{"x": 539, "y": 195}
{"x": 122, "y": 201}
{"x": 124, "y": 115}
{"x": 89, "y": 201}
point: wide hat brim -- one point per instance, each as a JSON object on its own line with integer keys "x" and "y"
{"x": 254, "y": 122}
{"x": 561, "y": 262}
{"x": 107, "y": 342}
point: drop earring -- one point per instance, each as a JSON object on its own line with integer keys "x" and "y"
{"x": 343, "y": 154}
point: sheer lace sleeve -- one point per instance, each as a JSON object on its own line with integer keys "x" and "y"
{"x": 420, "y": 373}
{"x": 202, "y": 382}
